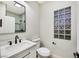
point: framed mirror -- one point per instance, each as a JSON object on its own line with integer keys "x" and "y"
{"x": 18, "y": 11}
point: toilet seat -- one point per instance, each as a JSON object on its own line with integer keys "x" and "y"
{"x": 43, "y": 52}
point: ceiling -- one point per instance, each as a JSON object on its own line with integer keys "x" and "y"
{"x": 40, "y": 2}
{"x": 12, "y": 8}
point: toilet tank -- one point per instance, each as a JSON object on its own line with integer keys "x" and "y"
{"x": 37, "y": 41}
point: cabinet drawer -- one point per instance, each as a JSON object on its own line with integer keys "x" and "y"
{"x": 20, "y": 54}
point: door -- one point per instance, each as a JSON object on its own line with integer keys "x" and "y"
{"x": 64, "y": 40}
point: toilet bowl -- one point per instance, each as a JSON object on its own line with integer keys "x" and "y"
{"x": 42, "y": 52}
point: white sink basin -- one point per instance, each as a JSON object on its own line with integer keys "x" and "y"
{"x": 7, "y": 50}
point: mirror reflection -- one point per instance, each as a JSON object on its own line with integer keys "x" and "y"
{"x": 16, "y": 10}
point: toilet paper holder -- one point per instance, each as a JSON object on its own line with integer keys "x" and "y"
{"x": 53, "y": 43}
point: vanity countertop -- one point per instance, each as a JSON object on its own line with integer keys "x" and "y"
{"x": 35, "y": 40}
{"x": 7, "y": 50}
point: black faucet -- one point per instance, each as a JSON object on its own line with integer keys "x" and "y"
{"x": 16, "y": 37}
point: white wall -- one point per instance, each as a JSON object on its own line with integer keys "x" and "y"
{"x": 77, "y": 7}
{"x": 32, "y": 24}
{"x": 2, "y": 9}
{"x": 63, "y": 48}
{"x": 32, "y": 18}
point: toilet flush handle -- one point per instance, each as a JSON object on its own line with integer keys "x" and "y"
{"x": 53, "y": 43}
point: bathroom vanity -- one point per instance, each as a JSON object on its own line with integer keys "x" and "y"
{"x": 25, "y": 49}
{"x": 27, "y": 53}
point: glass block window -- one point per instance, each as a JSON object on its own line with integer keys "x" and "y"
{"x": 62, "y": 23}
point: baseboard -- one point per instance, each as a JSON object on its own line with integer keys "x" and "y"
{"x": 56, "y": 56}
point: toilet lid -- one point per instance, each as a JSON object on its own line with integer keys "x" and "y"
{"x": 43, "y": 51}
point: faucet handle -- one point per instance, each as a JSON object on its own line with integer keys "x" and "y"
{"x": 20, "y": 40}
{"x": 10, "y": 42}
{"x": 16, "y": 37}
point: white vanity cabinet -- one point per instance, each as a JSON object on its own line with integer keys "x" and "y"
{"x": 28, "y": 53}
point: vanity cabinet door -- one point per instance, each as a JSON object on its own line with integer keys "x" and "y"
{"x": 32, "y": 53}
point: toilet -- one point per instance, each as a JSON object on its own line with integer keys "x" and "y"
{"x": 42, "y": 52}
